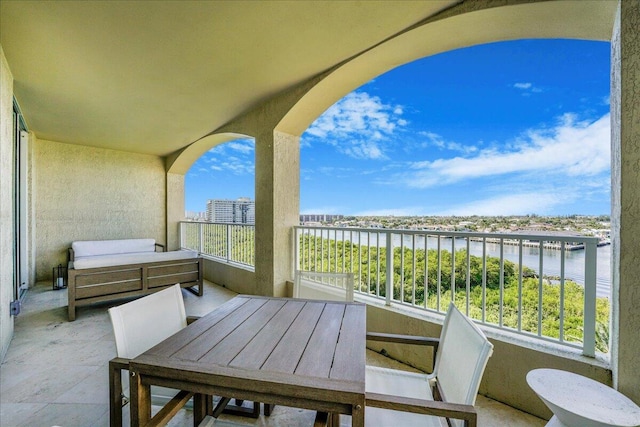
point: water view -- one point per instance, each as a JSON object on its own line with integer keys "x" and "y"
{"x": 551, "y": 258}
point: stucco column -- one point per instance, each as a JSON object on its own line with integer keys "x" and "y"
{"x": 175, "y": 209}
{"x": 277, "y": 209}
{"x": 625, "y": 195}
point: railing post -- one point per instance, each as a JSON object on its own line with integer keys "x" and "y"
{"x": 200, "y": 237}
{"x": 229, "y": 244}
{"x": 590, "y": 271}
{"x": 296, "y": 249}
{"x": 389, "y": 281}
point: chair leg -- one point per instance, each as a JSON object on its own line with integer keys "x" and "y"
{"x": 322, "y": 419}
{"x": 268, "y": 408}
{"x": 116, "y": 399}
{"x": 253, "y": 412}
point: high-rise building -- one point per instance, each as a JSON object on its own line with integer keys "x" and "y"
{"x": 240, "y": 211}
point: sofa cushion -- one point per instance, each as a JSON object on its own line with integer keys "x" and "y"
{"x": 110, "y": 260}
{"x": 112, "y": 247}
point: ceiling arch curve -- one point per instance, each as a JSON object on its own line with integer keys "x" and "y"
{"x": 464, "y": 25}
{"x": 182, "y": 161}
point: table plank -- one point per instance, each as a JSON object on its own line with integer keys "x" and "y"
{"x": 285, "y": 357}
{"x": 318, "y": 355}
{"x": 201, "y": 344}
{"x": 169, "y": 346}
{"x": 260, "y": 347}
{"x": 234, "y": 342}
{"x": 350, "y": 356}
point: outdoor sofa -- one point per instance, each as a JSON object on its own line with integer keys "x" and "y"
{"x": 104, "y": 270}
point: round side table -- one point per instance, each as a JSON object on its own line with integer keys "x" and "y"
{"x": 577, "y": 401}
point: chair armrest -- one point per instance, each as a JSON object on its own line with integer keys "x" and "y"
{"x": 191, "y": 319}
{"x": 120, "y": 363}
{"x": 161, "y": 246}
{"x": 403, "y": 339}
{"x": 407, "y": 339}
{"x": 427, "y": 407}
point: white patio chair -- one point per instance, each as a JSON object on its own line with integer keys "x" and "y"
{"x": 323, "y": 286}
{"x": 400, "y": 398}
{"x": 139, "y": 325}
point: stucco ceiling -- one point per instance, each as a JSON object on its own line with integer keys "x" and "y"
{"x": 152, "y": 77}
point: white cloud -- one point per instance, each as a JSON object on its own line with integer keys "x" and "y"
{"x": 435, "y": 140}
{"x": 244, "y": 146}
{"x": 527, "y": 88}
{"x": 359, "y": 125}
{"x": 235, "y": 165}
{"x": 571, "y": 149}
{"x": 236, "y": 157}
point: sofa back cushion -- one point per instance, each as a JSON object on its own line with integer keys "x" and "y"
{"x": 107, "y": 247}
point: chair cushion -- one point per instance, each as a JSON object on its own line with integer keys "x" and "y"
{"x": 398, "y": 383}
{"x": 111, "y": 260}
{"x": 378, "y": 417}
{"x": 106, "y": 247}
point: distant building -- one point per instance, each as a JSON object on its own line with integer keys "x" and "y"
{"x": 319, "y": 218}
{"x": 240, "y": 211}
{"x": 195, "y": 216}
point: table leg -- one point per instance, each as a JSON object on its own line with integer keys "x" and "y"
{"x": 199, "y": 408}
{"x": 140, "y": 401}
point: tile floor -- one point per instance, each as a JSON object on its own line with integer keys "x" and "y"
{"x": 55, "y": 371}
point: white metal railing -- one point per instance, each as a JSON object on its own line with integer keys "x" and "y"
{"x": 527, "y": 284}
{"x": 229, "y": 243}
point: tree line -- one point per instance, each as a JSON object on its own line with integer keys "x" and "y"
{"x": 424, "y": 278}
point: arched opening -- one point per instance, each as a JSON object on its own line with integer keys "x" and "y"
{"x": 508, "y": 137}
{"x": 224, "y": 172}
{"x": 220, "y": 203}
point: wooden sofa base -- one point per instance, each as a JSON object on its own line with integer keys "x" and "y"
{"x": 92, "y": 285}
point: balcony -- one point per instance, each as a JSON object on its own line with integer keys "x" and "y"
{"x": 55, "y": 372}
{"x": 102, "y": 160}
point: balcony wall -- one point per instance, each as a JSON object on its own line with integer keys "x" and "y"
{"x": 239, "y": 280}
{"x": 86, "y": 193}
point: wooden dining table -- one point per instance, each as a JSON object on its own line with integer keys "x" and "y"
{"x": 298, "y": 353}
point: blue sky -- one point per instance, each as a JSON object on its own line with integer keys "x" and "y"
{"x": 508, "y": 128}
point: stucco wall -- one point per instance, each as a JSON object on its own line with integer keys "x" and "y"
{"x": 6, "y": 206}
{"x": 175, "y": 209}
{"x": 86, "y": 193}
{"x": 625, "y": 193}
{"x": 236, "y": 279}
